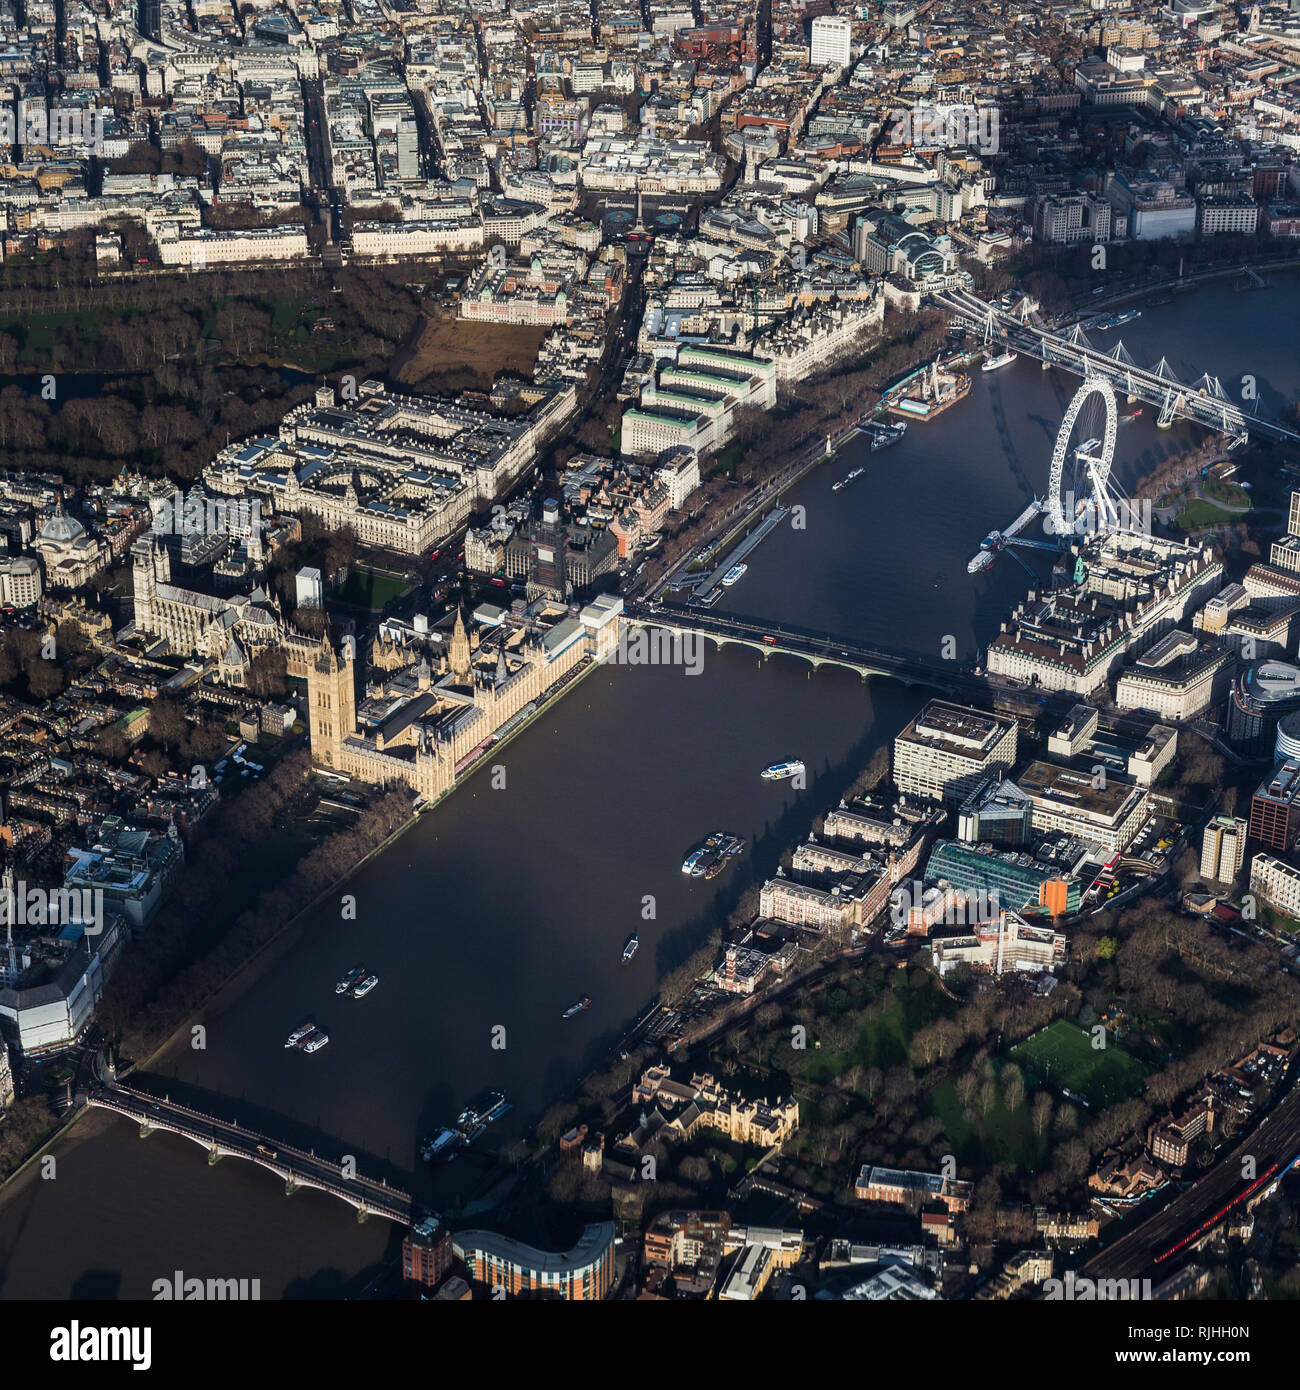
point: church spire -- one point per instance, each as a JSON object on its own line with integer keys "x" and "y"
{"x": 459, "y": 656}
{"x": 327, "y": 658}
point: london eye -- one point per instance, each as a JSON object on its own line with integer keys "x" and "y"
{"x": 1080, "y": 496}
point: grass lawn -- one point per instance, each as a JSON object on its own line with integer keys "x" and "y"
{"x": 1267, "y": 488}
{"x": 1199, "y": 512}
{"x": 365, "y": 589}
{"x": 36, "y": 331}
{"x": 1062, "y": 1055}
{"x": 1279, "y": 921}
{"x": 882, "y": 1039}
{"x": 288, "y": 311}
{"x": 451, "y": 353}
{"x": 1001, "y": 1136}
{"x": 1230, "y": 494}
{"x": 727, "y": 460}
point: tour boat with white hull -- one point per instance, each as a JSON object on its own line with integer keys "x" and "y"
{"x": 633, "y": 942}
{"x": 989, "y": 547}
{"x": 778, "y": 772}
{"x": 314, "y": 1040}
{"x": 1108, "y": 321}
{"x": 487, "y": 1106}
{"x": 364, "y": 986}
{"x": 881, "y": 433}
{"x": 1003, "y": 359}
{"x": 885, "y": 435}
{"x": 443, "y": 1145}
{"x": 295, "y": 1038}
{"x": 709, "y": 860}
{"x": 356, "y": 973}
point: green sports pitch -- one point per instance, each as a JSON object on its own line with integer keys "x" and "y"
{"x": 1062, "y": 1056}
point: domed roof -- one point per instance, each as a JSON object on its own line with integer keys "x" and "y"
{"x": 61, "y": 529}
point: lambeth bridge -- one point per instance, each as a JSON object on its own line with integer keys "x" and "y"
{"x": 226, "y": 1139}
{"x": 1203, "y": 401}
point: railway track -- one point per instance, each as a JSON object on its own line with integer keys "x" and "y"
{"x": 1158, "y": 1240}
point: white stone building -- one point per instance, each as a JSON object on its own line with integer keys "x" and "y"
{"x": 947, "y": 750}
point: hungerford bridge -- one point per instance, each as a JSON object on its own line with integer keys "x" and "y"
{"x": 225, "y": 1139}
{"x": 1203, "y": 401}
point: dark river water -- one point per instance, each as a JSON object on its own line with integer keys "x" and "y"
{"x": 503, "y": 906}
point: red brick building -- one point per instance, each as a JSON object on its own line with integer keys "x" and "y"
{"x": 584, "y": 1274}
{"x": 1274, "y": 813}
{"x": 426, "y": 1254}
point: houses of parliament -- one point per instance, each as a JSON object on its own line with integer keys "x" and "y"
{"x": 429, "y": 707}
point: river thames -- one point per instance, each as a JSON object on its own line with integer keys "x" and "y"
{"x": 502, "y": 906}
